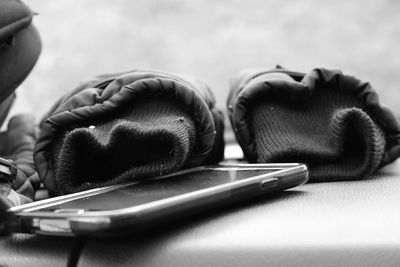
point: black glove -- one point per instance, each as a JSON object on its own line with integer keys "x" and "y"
{"x": 20, "y": 45}
{"x": 332, "y": 122}
{"x": 125, "y": 127}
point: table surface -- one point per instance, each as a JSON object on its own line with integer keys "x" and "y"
{"x": 322, "y": 224}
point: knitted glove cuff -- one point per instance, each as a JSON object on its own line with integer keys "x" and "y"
{"x": 151, "y": 138}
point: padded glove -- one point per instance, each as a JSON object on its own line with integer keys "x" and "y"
{"x": 17, "y": 144}
{"x": 126, "y": 127}
{"x": 20, "y": 45}
{"x": 330, "y": 121}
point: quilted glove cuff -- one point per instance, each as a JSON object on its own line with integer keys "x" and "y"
{"x": 332, "y": 122}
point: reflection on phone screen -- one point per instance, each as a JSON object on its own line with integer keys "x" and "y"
{"x": 156, "y": 189}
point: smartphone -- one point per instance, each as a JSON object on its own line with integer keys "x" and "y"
{"x": 119, "y": 209}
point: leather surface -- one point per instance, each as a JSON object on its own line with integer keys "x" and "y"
{"x": 325, "y": 224}
{"x": 30, "y": 250}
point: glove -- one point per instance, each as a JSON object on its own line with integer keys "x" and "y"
{"x": 330, "y": 121}
{"x": 17, "y": 144}
{"x": 126, "y": 127}
{"x": 20, "y": 46}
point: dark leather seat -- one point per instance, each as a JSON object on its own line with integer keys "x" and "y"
{"x": 31, "y": 250}
{"x": 326, "y": 224}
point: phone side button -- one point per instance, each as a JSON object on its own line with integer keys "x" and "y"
{"x": 269, "y": 183}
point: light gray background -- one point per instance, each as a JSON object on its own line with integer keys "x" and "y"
{"x": 211, "y": 40}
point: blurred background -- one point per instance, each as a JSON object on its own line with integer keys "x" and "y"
{"x": 211, "y": 40}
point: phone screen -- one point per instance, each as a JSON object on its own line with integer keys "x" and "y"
{"x": 156, "y": 189}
